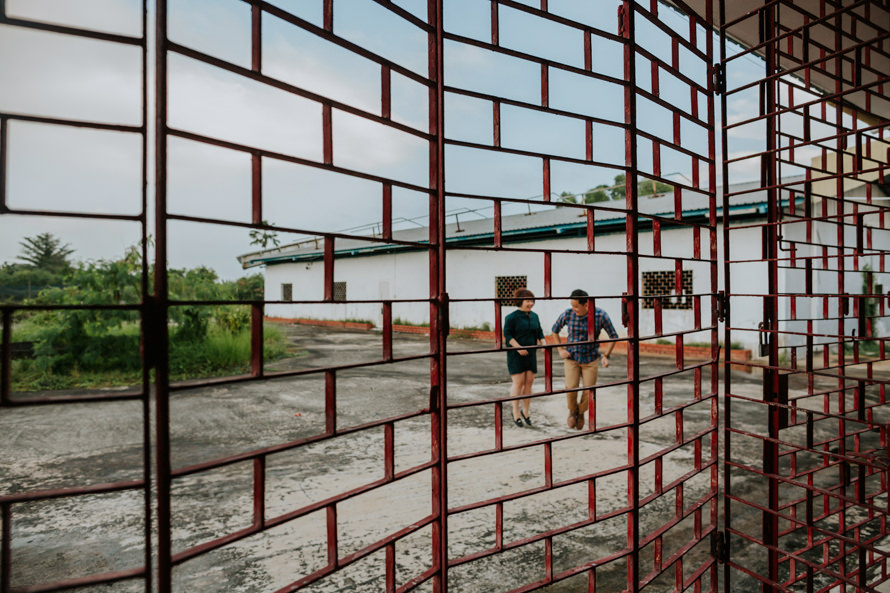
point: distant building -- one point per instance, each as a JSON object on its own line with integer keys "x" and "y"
{"x": 373, "y": 271}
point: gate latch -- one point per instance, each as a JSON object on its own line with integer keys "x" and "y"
{"x": 722, "y": 305}
{"x": 718, "y": 79}
{"x": 763, "y": 339}
{"x": 625, "y": 315}
{"x": 720, "y": 546}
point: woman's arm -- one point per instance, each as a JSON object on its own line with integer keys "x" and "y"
{"x": 510, "y": 336}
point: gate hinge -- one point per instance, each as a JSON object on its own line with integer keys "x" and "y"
{"x": 722, "y": 306}
{"x": 152, "y": 336}
{"x": 720, "y": 546}
{"x": 443, "y": 303}
{"x": 718, "y": 79}
{"x": 625, "y": 314}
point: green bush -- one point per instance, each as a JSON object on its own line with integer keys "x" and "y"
{"x": 232, "y": 319}
{"x": 221, "y": 353}
{"x": 82, "y": 347}
{"x": 113, "y": 361}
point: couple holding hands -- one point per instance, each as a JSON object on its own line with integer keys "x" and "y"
{"x": 523, "y": 328}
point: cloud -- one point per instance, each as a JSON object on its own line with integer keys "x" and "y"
{"x": 123, "y": 17}
{"x": 64, "y": 76}
{"x": 215, "y": 103}
{"x": 67, "y": 168}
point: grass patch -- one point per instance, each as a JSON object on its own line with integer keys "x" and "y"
{"x": 400, "y": 321}
{"x": 351, "y": 320}
{"x": 866, "y": 348}
{"x": 485, "y": 327}
{"x": 220, "y": 353}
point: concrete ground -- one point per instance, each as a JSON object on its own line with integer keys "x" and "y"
{"x": 48, "y": 447}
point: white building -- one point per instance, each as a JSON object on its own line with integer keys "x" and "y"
{"x": 372, "y": 271}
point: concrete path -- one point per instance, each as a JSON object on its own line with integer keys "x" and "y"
{"x": 76, "y": 445}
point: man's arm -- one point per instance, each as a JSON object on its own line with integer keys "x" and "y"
{"x": 610, "y": 329}
{"x": 557, "y": 327}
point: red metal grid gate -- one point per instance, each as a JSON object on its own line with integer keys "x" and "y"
{"x": 631, "y": 500}
{"x": 821, "y": 446}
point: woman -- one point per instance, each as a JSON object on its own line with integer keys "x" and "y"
{"x": 522, "y": 328}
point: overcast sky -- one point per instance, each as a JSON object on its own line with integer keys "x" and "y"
{"x": 63, "y": 168}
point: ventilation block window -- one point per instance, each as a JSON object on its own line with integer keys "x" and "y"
{"x": 287, "y": 292}
{"x": 662, "y": 285}
{"x": 505, "y": 285}
{"x": 339, "y": 291}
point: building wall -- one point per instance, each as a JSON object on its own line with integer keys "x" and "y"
{"x": 471, "y": 275}
{"x": 827, "y": 280}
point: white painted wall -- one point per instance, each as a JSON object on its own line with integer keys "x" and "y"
{"x": 471, "y": 274}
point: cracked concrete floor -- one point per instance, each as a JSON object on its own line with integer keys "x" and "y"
{"x": 55, "y": 446}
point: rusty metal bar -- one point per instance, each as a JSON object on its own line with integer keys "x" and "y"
{"x": 5, "y": 547}
{"x": 627, "y": 18}
{"x": 256, "y": 339}
{"x": 328, "y": 268}
{"x": 4, "y": 135}
{"x": 5, "y": 356}
{"x": 256, "y": 38}
{"x": 259, "y": 492}
{"x": 387, "y": 330}
{"x": 159, "y": 331}
{"x": 439, "y": 325}
{"x": 256, "y": 183}
{"x": 387, "y": 211}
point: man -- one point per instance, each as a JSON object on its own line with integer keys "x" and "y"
{"x": 581, "y": 360}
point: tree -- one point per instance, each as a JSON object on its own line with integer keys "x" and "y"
{"x": 262, "y": 237}
{"x": 597, "y": 194}
{"x": 45, "y": 252}
{"x": 650, "y": 187}
{"x": 619, "y": 190}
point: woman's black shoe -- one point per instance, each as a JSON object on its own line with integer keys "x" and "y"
{"x": 518, "y": 421}
{"x": 528, "y": 421}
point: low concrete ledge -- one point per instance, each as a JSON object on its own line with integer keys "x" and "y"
{"x": 736, "y": 356}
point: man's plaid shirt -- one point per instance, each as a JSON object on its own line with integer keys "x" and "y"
{"x": 584, "y": 353}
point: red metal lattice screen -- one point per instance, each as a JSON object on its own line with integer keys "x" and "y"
{"x": 821, "y": 523}
{"x": 650, "y": 502}
{"x": 43, "y": 108}
{"x": 387, "y": 461}
{"x": 641, "y": 516}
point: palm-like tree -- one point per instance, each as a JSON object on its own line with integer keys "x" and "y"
{"x": 45, "y": 252}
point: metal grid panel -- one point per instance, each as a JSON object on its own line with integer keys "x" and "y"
{"x": 658, "y": 534}
{"x": 181, "y": 563}
{"x": 650, "y": 509}
{"x": 822, "y": 436}
{"x": 27, "y": 506}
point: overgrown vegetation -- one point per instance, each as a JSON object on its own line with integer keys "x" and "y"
{"x": 400, "y": 321}
{"x": 81, "y": 346}
{"x": 485, "y": 327}
{"x": 617, "y": 191}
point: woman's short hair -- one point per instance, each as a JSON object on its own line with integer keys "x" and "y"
{"x": 523, "y": 294}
